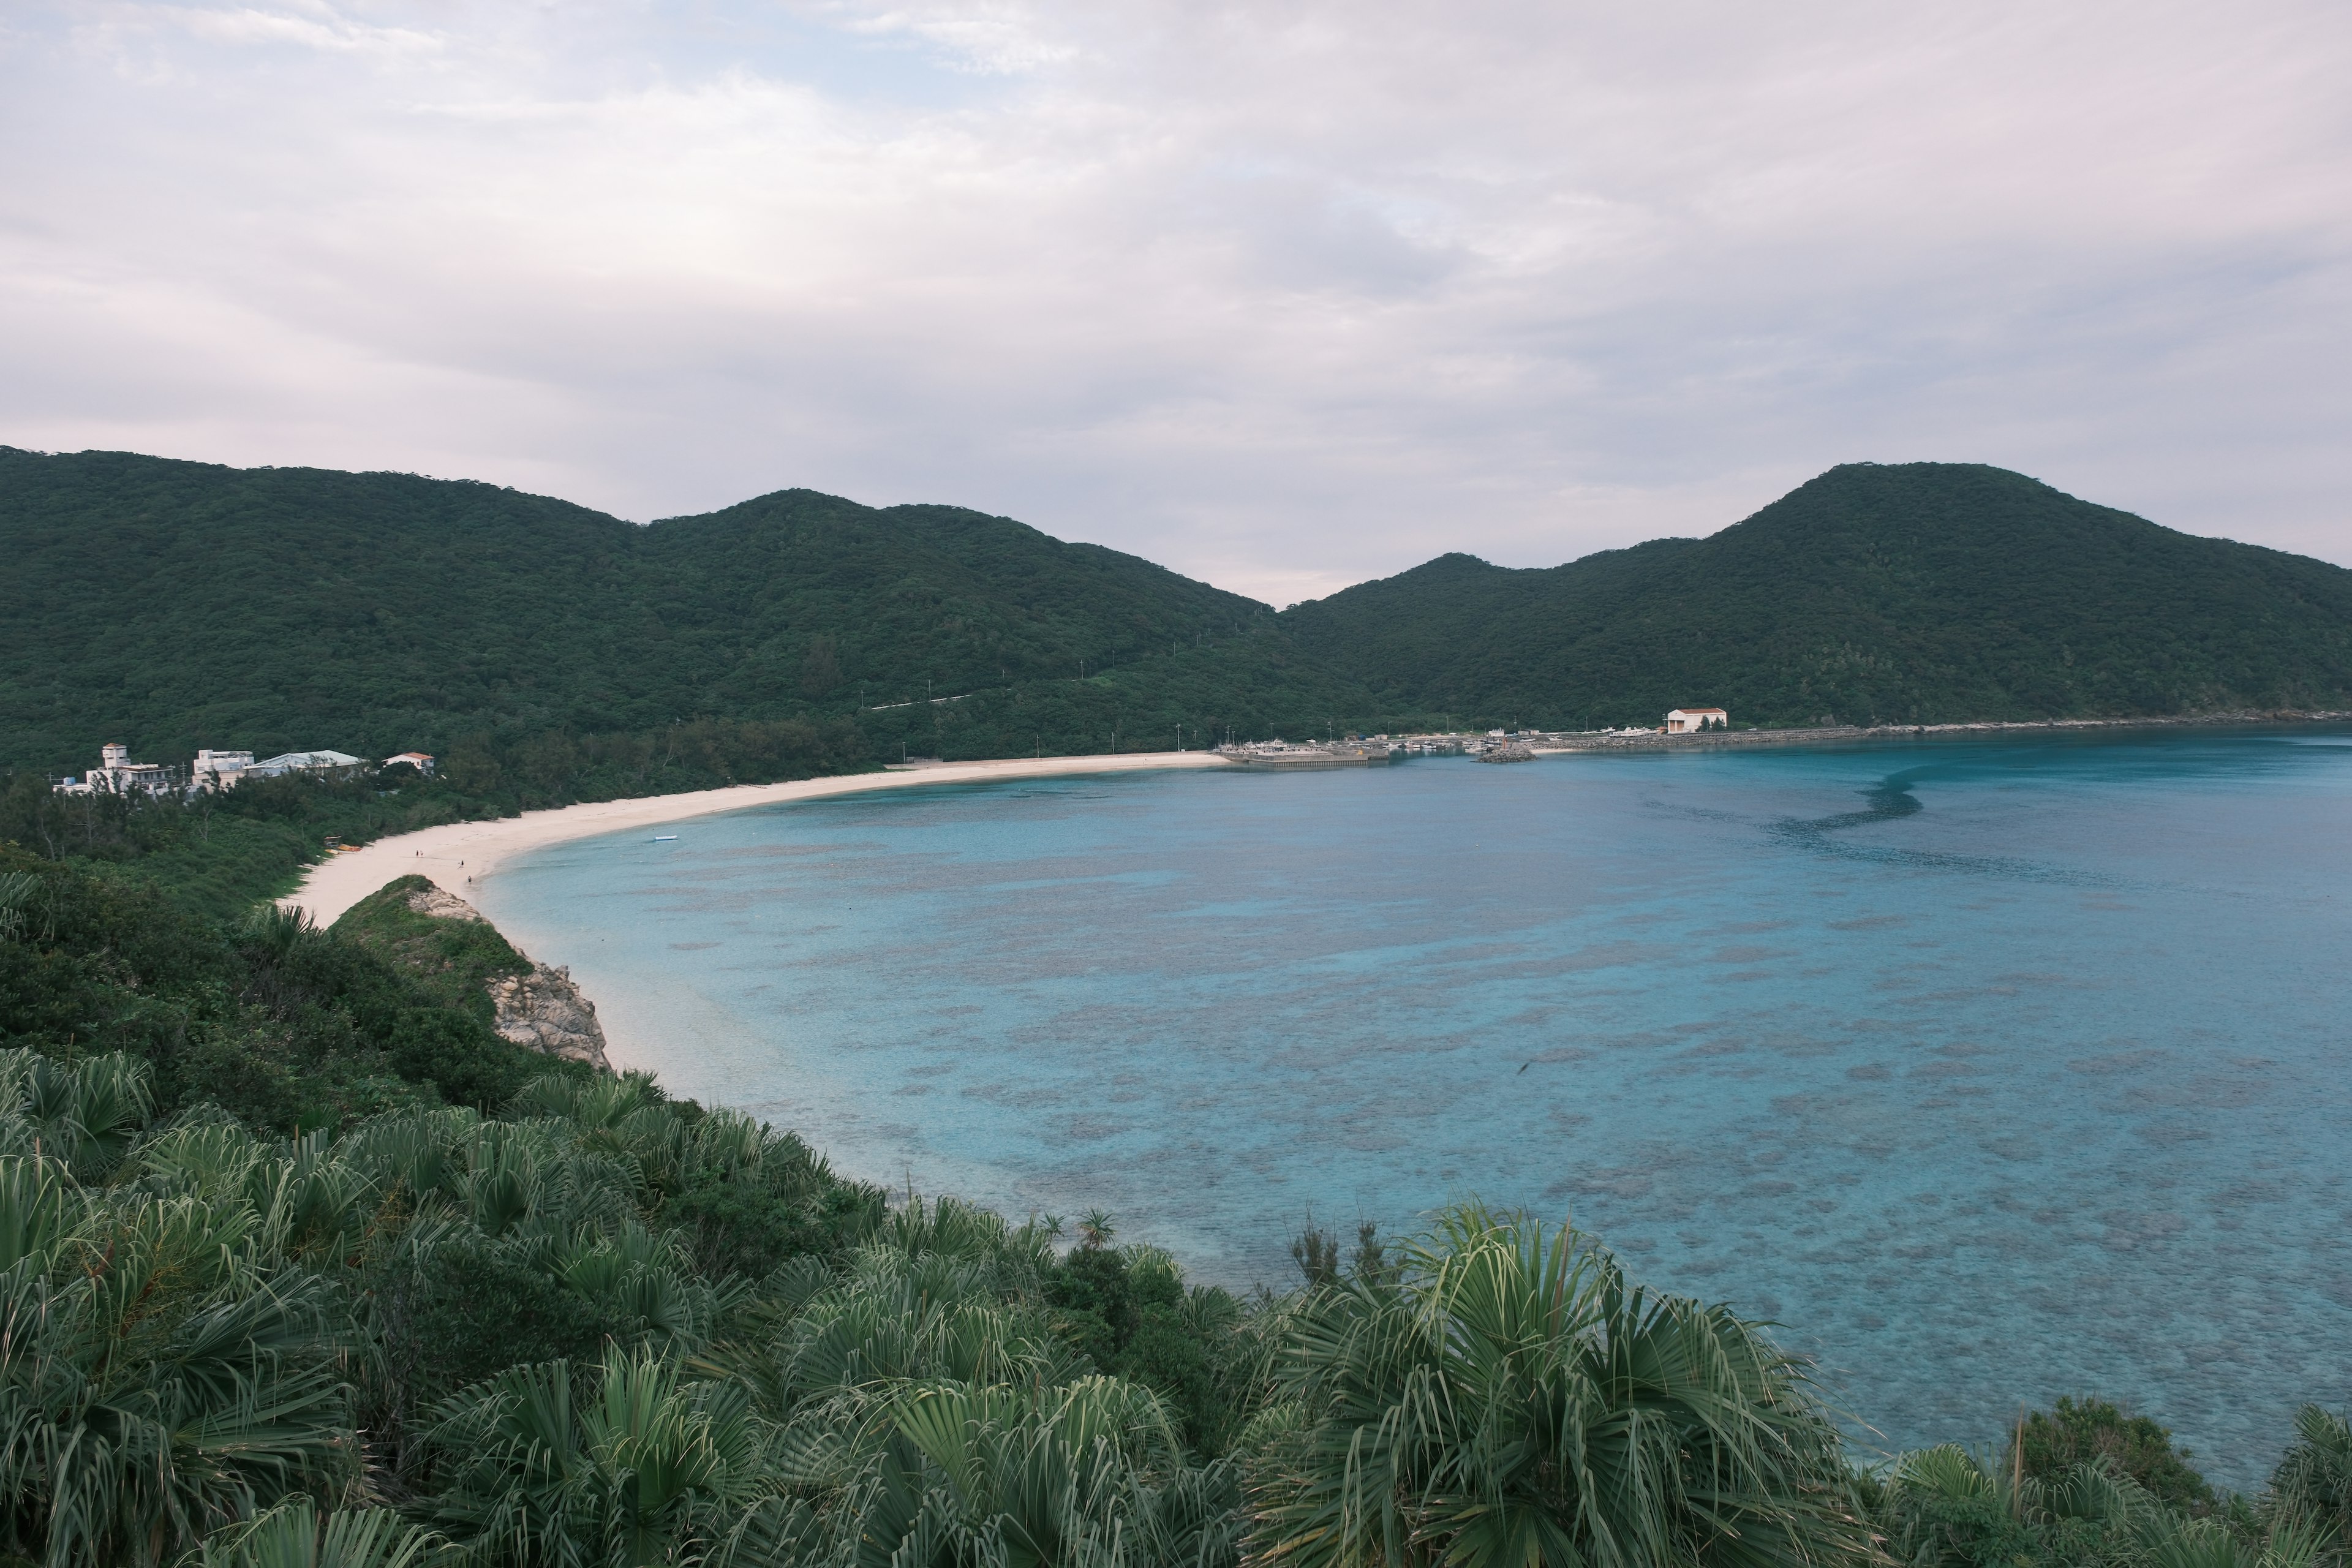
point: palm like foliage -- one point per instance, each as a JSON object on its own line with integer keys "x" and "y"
{"x": 162, "y": 1373}
{"x": 1948, "y": 1508}
{"x": 927, "y": 1413}
{"x": 624, "y": 1466}
{"x": 1506, "y": 1396}
{"x": 81, "y": 1115}
{"x": 2313, "y": 1486}
{"x": 296, "y": 1535}
{"x": 1089, "y": 1475}
{"x": 173, "y": 1345}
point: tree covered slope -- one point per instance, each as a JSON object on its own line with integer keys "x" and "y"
{"x": 1923, "y": 592}
{"x": 549, "y": 652}
{"x": 178, "y": 604}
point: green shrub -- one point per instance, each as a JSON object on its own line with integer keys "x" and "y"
{"x": 2094, "y": 1431}
{"x": 471, "y": 1307}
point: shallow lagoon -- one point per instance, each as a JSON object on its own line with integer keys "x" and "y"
{"x": 1994, "y": 1070}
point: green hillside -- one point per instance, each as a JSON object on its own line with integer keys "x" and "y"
{"x": 1918, "y": 593}
{"x": 547, "y": 652}
{"x": 175, "y": 605}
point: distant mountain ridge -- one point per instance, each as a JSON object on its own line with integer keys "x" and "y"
{"x": 1912, "y": 593}
{"x": 174, "y": 605}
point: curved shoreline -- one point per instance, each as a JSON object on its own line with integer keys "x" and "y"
{"x": 458, "y": 855}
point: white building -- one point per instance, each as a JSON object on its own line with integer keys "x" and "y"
{"x": 219, "y": 770}
{"x": 116, "y": 773}
{"x": 420, "y": 761}
{"x": 303, "y": 762}
{"x": 1689, "y": 721}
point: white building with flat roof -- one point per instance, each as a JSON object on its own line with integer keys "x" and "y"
{"x": 1690, "y": 721}
{"x": 116, "y": 773}
{"x": 304, "y": 762}
{"x": 219, "y": 770}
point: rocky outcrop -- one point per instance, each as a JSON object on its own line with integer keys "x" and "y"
{"x": 542, "y": 1010}
{"x": 546, "y": 1011}
{"x": 442, "y": 904}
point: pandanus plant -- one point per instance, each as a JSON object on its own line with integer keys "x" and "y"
{"x": 850, "y": 1341}
{"x": 1504, "y": 1395}
{"x": 2312, "y": 1485}
{"x": 159, "y": 1377}
{"x": 1087, "y": 1475}
{"x": 620, "y": 1466}
{"x": 82, "y": 1114}
{"x": 296, "y": 1534}
{"x": 1948, "y": 1508}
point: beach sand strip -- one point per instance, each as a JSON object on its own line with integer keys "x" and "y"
{"x": 459, "y": 856}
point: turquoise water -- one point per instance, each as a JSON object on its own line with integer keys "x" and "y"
{"x": 1992, "y": 1070}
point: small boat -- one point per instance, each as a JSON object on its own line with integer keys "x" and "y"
{"x": 664, "y": 837}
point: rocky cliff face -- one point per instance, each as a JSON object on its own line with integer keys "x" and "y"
{"x": 544, "y": 1009}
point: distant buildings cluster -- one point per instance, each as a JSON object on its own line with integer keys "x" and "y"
{"x": 1493, "y": 746}
{"x": 213, "y": 771}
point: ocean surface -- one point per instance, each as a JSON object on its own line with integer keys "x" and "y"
{"x": 1992, "y": 1070}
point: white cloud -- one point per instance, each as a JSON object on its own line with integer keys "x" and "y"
{"x": 988, "y": 36}
{"x": 245, "y": 25}
{"x": 1284, "y": 298}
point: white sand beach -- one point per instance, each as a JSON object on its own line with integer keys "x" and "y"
{"x": 462, "y": 855}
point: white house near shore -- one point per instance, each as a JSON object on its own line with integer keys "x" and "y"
{"x": 1689, "y": 721}
{"x": 420, "y": 761}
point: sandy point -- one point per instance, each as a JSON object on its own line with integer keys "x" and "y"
{"x": 461, "y": 855}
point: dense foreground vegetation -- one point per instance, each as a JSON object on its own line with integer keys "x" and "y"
{"x": 301, "y": 1264}
{"x": 547, "y": 653}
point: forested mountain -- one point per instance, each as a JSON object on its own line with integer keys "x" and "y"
{"x": 1923, "y": 592}
{"x": 177, "y": 604}
{"x": 551, "y": 652}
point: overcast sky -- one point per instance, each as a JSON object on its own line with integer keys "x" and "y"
{"x": 1283, "y": 295}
